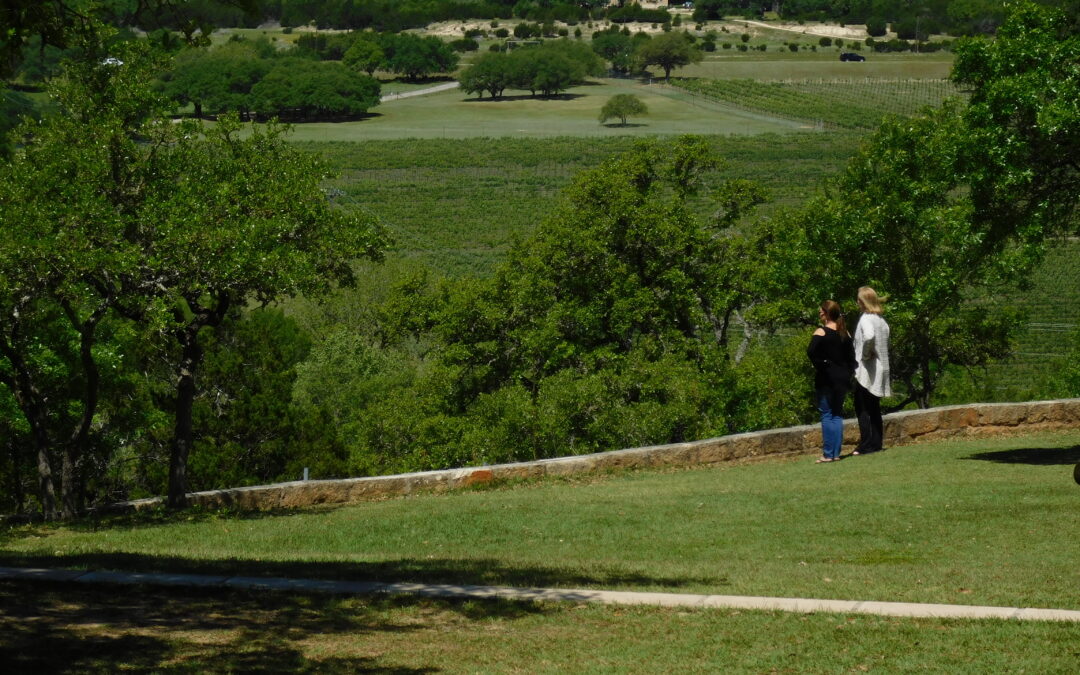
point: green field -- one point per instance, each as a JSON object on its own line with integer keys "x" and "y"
{"x": 457, "y": 204}
{"x": 853, "y": 103}
{"x": 453, "y": 114}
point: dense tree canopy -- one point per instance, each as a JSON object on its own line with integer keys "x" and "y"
{"x": 669, "y": 51}
{"x": 304, "y": 89}
{"x": 622, "y": 106}
{"x": 548, "y": 68}
{"x": 168, "y": 226}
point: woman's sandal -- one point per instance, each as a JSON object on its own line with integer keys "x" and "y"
{"x": 822, "y": 460}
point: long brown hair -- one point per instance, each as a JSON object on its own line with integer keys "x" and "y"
{"x": 834, "y": 313}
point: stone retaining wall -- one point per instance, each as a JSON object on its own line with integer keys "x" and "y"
{"x": 903, "y": 428}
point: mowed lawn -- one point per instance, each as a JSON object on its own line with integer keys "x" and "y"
{"x": 455, "y": 114}
{"x": 974, "y": 522}
{"x": 992, "y": 522}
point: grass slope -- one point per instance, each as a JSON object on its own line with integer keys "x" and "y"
{"x": 973, "y": 522}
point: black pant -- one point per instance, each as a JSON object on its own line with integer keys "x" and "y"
{"x": 868, "y": 410}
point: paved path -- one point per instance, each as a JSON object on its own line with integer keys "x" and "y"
{"x": 803, "y": 605}
{"x": 420, "y": 92}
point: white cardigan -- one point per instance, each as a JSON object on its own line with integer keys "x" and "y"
{"x": 872, "y": 355}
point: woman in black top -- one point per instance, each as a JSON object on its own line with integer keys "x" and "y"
{"x": 833, "y": 355}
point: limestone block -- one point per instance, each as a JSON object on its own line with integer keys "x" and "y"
{"x": 428, "y": 481}
{"x": 784, "y": 441}
{"x": 569, "y": 465}
{"x": 479, "y": 477}
{"x": 1002, "y": 414}
{"x": 918, "y": 423}
{"x": 958, "y": 418}
{"x": 522, "y": 471}
{"x": 717, "y": 449}
{"x": 1069, "y": 411}
{"x": 375, "y": 488}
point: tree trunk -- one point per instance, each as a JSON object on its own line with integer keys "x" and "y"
{"x": 183, "y": 435}
{"x": 75, "y": 450}
{"x": 33, "y": 407}
{"x": 191, "y": 357}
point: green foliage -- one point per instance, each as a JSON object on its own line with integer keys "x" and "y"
{"x": 622, "y": 106}
{"x": 305, "y": 89}
{"x": 669, "y": 51}
{"x": 772, "y": 382}
{"x": 547, "y": 68}
{"x": 1023, "y": 124}
{"x": 418, "y": 57}
{"x": 899, "y": 221}
{"x": 215, "y": 80}
{"x": 251, "y": 432}
{"x": 167, "y": 226}
{"x": 876, "y": 27}
{"x": 364, "y": 55}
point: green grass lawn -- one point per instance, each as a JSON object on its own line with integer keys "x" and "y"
{"x": 969, "y": 522}
{"x": 454, "y": 114}
{"x": 974, "y": 522}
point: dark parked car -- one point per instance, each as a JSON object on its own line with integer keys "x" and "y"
{"x": 851, "y": 56}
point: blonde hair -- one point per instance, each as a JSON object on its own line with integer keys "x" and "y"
{"x": 870, "y": 301}
{"x": 835, "y": 314}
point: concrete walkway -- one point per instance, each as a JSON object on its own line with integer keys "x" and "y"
{"x": 803, "y": 605}
{"x": 420, "y": 92}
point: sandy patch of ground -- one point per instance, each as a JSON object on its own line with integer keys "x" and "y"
{"x": 848, "y": 32}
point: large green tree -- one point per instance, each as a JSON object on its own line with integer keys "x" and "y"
{"x": 1023, "y": 126}
{"x": 418, "y": 57}
{"x": 65, "y": 261}
{"x": 899, "y": 219}
{"x": 170, "y": 225}
{"x": 669, "y": 51}
{"x": 301, "y": 88}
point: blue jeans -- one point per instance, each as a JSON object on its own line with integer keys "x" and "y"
{"x": 831, "y": 406}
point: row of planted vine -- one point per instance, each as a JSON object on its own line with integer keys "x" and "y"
{"x": 854, "y": 104}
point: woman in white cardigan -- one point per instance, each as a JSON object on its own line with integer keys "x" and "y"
{"x": 872, "y": 382}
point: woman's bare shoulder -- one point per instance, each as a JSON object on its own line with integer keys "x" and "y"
{"x": 819, "y": 331}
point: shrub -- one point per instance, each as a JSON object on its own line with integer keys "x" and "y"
{"x": 876, "y": 27}
{"x": 465, "y": 45}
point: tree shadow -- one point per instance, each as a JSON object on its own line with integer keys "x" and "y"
{"x": 450, "y": 571}
{"x": 523, "y": 97}
{"x": 57, "y": 628}
{"x": 1034, "y": 456}
{"x": 624, "y": 126}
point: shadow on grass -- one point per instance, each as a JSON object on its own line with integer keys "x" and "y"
{"x": 621, "y": 125}
{"x": 47, "y": 627}
{"x": 1035, "y": 456}
{"x": 452, "y": 571}
{"x": 524, "y": 97}
{"x": 456, "y": 571}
